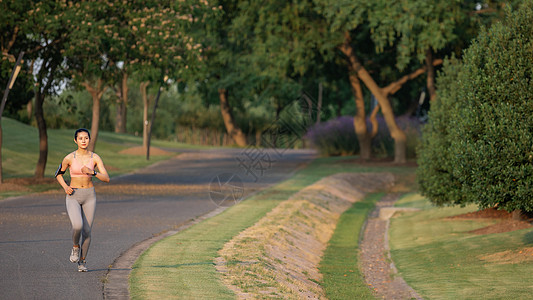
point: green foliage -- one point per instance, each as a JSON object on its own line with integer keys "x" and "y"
{"x": 435, "y": 168}
{"x": 416, "y": 26}
{"x": 490, "y": 145}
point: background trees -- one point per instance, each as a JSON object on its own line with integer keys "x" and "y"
{"x": 249, "y": 57}
{"x": 486, "y": 157}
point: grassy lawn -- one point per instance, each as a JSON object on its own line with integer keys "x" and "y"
{"x": 20, "y": 152}
{"x": 440, "y": 259}
{"x": 182, "y": 266}
{"x": 339, "y": 266}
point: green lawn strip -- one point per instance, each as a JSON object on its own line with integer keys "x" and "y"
{"x": 441, "y": 260}
{"x": 342, "y": 278}
{"x": 182, "y": 265}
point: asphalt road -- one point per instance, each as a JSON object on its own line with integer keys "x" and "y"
{"x": 35, "y": 232}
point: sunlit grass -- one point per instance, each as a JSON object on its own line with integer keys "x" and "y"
{"x": 20, "y": 152}
{"x": 440, "y": 259}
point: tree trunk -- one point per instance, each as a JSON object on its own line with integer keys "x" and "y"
{"x": 149, "y": 135}
{"x": 43, "y": 136}
{"x": 96, "y": 94}
{"x": 430, "y": 75}
{"x": 258, "y": 136}
{"x": 374, "y": 122}
{"x": 233, "y": 130}
{"x": 359, "y": 120}
{"x": 319, "y": 104}
{"x": 1, "y": 168}
{"x": 29, "y": 110}
{"x": 40, "y": 94}
{"x": 122, "y": 105}
{"x": 146, "y": 124}
{"x": 400, "y": 153}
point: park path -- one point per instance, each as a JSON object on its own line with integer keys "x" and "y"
{"x": 35, "y": 231}
{"x": 377, "y": 267}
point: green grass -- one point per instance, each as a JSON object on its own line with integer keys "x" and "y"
{"x": 339, "y": 266}
{"x": 441, "y": 260}
{"x": 183, "y": 264}
{"x": 191, "y": 273}
{"x": 20, "y": 152}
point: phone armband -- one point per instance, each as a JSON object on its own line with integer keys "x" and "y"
{"x": 58, "y": 171}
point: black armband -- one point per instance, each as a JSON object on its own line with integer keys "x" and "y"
{"x": 58, "y": 171}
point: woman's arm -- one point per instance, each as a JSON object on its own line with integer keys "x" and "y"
{"x": 64, "y": 165}
{"x": 102, "y": 172}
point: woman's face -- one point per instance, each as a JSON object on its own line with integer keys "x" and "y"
{"x": 82, "y": 140}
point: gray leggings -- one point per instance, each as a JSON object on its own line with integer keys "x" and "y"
{"x": 80, "y": 208}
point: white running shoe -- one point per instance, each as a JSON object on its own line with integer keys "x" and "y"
{"x": 75, "y": 254}
{"x": 82, "y": 266}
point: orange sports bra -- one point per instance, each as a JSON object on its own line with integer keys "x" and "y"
{"x": 75, "y": 167}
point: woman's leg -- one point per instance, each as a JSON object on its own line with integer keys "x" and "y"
{"x": 76, "y": 218}
{"x": 88, "y": 209}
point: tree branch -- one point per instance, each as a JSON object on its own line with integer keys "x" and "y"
{"x": 397, "y": 85}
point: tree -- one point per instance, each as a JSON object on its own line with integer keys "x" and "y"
{"x": 490, "y": 153}
{"x": 223, "y": 70}
{"x": 167, "y": 50}
{"x": 292, "y": 36}
{"x": 41, "y": 29}
{"x": 87, "y": 60}
{"x": 11, "y": 24}
{"x": 50, "y": 24}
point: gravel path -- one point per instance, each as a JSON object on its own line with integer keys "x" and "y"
{"x": 378, "y": 268}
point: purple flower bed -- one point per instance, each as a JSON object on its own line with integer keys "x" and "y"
{"x": 337, "y": 137}
{"x": 334, "y": 137}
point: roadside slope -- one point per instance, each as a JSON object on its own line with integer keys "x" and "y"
{"x": 279, "y": 256}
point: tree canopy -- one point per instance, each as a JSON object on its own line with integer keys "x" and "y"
{"x": 252, "y": 58}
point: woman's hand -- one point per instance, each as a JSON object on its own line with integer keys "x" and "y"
{"x": 68, "y": 190}
{"x": 86, "y": 170}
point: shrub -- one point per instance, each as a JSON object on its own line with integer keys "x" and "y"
{"x": 334, "y": 137}
{"x": 489, "y": 159}
{"x": 337, "y": 137}
{"x": 435, "y": 176}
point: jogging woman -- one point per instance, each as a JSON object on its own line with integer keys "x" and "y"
{"x": 81, "y": 198}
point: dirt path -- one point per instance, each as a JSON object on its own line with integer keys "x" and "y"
{"x": 378, "y": 269}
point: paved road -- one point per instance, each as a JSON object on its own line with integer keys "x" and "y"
{"x": 35, "y": 230}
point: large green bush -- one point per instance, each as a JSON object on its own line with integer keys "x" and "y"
{"x": 478, "y": 146}
{"x": 435, "y": 171}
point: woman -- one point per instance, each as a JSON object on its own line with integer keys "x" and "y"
{"x": 81, "y": 198}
